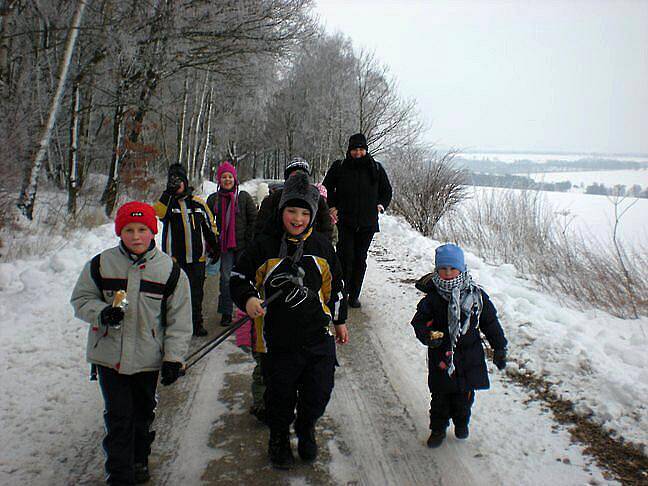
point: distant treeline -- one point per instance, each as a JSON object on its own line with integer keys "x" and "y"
{"x": 521, "y": 182}
{"x": 515, "y": 182}
{"x": 617, "y": 190}
{"x": 529, "y": 166}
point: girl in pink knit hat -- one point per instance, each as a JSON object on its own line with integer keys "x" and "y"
{"x": 235, "y": 214}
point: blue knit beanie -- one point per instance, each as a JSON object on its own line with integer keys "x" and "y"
{"x": 449, "y": 255}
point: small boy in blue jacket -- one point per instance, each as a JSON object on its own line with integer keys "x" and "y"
{"x": 448, "y": 321}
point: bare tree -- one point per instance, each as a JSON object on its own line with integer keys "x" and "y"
{"x": 427, "y": 186}
{"x": 30, "y": 185}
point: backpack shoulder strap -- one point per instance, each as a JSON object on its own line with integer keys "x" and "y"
{"x": 95, "y": 272}
{"x": 169, "y": 288}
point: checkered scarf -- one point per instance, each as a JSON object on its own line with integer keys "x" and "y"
{"x": 464, "y": 298}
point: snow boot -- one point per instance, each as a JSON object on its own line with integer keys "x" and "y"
{"x": 461, "y": 431}
{"x": 279, "y": 450}
{"x": 436, "y": 438}
{"x": 226, "y": 320}
{"x": 354, "y": 302}
{"x": 306, "y": 445}
{"x": 260, "y": 414}
{"x": 141, "y": 473}
{"x": 200, "y": 331}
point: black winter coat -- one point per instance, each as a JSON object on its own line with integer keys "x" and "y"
{"x": 356, "y": 187}
{"x": 471, "y": 372}
{"x": 286, "y": 327}
{"x": 246, "y": 215}
{"x": 266, "y": 219}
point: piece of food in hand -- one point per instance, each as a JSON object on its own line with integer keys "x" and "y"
{"x": 120, "y": 299}
{"x": 436, "y": 334}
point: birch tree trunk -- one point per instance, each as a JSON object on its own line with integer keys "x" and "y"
{"x": 183, "y": 117}
{"x": 207, "y": 134}
{"x": 109, "y": 196}
{"x": 197, "y": 130}
{"x": 27, "y": 196}
{"x": 73, "y": 152}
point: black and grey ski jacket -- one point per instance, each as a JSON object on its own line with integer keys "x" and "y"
{"x": 286, "y": 326}
{"x": 187, "y": 223}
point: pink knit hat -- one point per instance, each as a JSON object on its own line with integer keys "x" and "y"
{"x": 226, "y": 167}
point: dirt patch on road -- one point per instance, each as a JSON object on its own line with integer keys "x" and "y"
{"x": 243, "y": 443}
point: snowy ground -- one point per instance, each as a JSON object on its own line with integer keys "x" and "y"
{"x": 51, "y": 415}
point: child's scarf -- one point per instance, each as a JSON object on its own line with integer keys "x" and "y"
{"x": 229, "y": 204}
{"x": 464, "y": 297}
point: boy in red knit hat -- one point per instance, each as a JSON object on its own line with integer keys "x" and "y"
{"x": 137, "y": 303}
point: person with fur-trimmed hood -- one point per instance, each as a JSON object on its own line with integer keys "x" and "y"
{"x": 294, "y": 331}
{"x": 270, "y": 203}
{"x": 358, "y": 189}
{"x": 448, "y": 321}
{"x": 235, "y": 214}
{"x": 133, "y": 338}
{"x": 187, "y": 224}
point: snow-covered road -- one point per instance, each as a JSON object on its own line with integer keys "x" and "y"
{"x": 375, "y": 428}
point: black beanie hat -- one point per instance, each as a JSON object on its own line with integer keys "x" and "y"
{"x": 296, "y": 164}
{"x": 358, "y": 141}
{"x": 299, "y": 192}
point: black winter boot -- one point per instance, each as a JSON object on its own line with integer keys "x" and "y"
{"x": 260, "y": 414}
{"x": 199, "y": 331}
{"x": 354, "y": 302}
{"x": 279, "y": 450}
{"x": 226, "y": 320}
{"x": 436, "y": 438}
{"x": 306, "y": 445}
{"x": 461, "y": 431}
{"x": 141, "y": 473}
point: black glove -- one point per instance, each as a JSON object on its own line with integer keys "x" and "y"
{"x": 170, "y": 372}
{"x": 112, "y": 316}
{"x": 173, "y": 184}
{"x": 499, "y": 358}
{"x": 214, "y": 255}
{"x": 435, "y": 343}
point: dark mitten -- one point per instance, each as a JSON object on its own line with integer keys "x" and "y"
{"x": 214, "y": 255}
{"x": 173, "y": 184}
{"x": 435, "y": 343}
{"x": 112, "y": 316}
{"x": 170, "y": 372}
{"x": 499, "y": 358}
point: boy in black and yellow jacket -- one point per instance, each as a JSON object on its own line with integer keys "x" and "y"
{"x": 187, "y": 225}
{"x": 294, "y": 331}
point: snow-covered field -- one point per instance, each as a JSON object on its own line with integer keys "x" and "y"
{"x": 48, "y": 406}
{"x": 589, "y": 214}
{"x": 545, "y": 157}
{"x": 608, "y": 178}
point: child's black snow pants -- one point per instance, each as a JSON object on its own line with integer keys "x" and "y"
{"x": 129, "y": 412}
{"x": 196, "y": 274}
{"x": 446, "y": 406}
{"x": 303, "y": 379}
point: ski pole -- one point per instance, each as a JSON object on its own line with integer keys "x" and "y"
{"x": 209, "y": 346}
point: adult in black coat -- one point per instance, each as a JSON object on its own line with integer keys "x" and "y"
{"x": 358, "y": 189}
{"x": 270, "y": 205}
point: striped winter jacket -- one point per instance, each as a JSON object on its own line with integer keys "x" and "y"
{"x": 141, "y": 343}
{"x": 187, "y": 223}
{"x": 294, "y": 324}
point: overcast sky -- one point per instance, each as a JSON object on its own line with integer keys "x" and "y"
{"x": 514, "y": 75}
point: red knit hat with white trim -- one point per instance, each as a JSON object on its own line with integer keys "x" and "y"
{"x": 136, "y": 212}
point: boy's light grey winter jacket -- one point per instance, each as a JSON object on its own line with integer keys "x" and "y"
{"x": 141, "y": 343}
